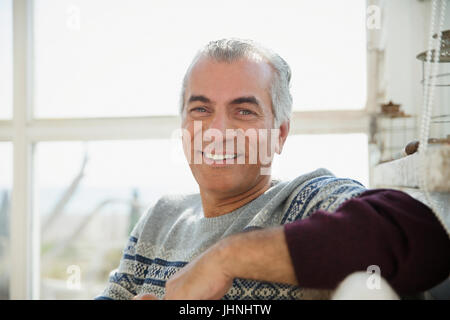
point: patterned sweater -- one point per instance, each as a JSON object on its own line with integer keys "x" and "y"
{"x": 174, "y": 231}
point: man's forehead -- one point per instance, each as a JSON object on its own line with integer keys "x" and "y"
{"x": 241, "y": 75}
{"x": 241, "y": 68}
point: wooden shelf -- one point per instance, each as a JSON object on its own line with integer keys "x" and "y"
{"x": 405, "y": 172}
{"x": 403, "y": 175}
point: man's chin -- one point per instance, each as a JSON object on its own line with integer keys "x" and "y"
{"x": 225, "y": 183}
{"x": 229, "y": 180}
{"x": 225, "y": 186}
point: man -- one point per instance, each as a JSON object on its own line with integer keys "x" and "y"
{"x": 246, "y": 236}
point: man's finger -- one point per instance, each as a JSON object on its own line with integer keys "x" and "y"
{"x": 145, "y": 296}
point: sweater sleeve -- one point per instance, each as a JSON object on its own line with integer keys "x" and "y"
{"x": 382, "y": 227}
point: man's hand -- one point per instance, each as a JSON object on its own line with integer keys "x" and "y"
{"x": 258, "y": 255}
{"x": 204, "y": 278}
{"x": 145, "y": 296}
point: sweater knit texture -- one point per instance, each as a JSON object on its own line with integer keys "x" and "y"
{"x": 174, "y": 231}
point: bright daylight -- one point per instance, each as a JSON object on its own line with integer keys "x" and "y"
{"x": 100, "y": 196}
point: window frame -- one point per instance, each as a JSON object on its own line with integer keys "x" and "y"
{"x": 24, "y": 131}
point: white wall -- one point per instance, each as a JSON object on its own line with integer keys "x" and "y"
{"x": 407, "y": 30}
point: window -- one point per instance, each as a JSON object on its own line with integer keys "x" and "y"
{"x": 122, "y": 63}
{"x": 90, "y": 197}
{"x": 345, "y": 155}
{"x": 127, "y": 58}
{"x": 5, "y": 197}
{"x": 5, "y": 59}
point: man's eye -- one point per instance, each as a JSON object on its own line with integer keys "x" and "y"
{"x": 245, "y": 112}
{"x": 199, "y": 109}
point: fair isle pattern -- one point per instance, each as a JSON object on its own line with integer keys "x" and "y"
{"x": 323, "y": 193}
{"x": 145, "y": 268}
{"x": 139, "y": 274}
{"x": 244, "y": 289}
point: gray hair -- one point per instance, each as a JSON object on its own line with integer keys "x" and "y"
{"x": 230, "y": 50}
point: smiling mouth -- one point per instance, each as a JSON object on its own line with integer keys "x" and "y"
{"x": 219, "y": 157}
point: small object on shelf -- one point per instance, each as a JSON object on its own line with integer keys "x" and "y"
{"x": 390, "y": 107}
{"x": 413, "y": 146}
{"x": 392, "y": 110}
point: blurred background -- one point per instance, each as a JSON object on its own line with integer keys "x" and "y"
{"x": 89, "y": 94}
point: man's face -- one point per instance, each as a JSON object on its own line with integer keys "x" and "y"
{"x": 221, "y": 96}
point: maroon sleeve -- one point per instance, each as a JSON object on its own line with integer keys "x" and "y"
{"x": 381, "y": 227}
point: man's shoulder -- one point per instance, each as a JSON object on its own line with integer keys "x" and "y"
{"x": 172, "y": 205}
{"x": 319, "y": 190}
{"x": 168, "y": 208}
{"x": 177, "y": 202}
{"x": 324, "y": 181}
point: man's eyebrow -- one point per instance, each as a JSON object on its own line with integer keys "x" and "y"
{"x": 250, "y": 99}
{"x": 240, "y": 100}
{"x": 200, "y": 98}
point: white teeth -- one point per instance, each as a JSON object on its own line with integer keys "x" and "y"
{"x": 219, "y": 156}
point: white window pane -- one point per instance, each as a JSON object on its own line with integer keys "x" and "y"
{"x": 5, "y": 205}
{"x": 345, "y": 155}
{"x": 5, "y": 59}
{"x": 127, "y": 58}
{"x": 115, "y": 172}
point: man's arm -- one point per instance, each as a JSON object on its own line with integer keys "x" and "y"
{"x": 387, "y": 228}
{"x": 258, "y": 255}
{"x": 382, "y": 227}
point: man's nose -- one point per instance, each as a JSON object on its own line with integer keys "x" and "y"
{"x": 219, "y": 122}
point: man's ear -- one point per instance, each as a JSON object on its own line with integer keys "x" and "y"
{"x": 284, "y": 131}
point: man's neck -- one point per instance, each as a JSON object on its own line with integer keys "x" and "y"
{"x": 215, "y": 204}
